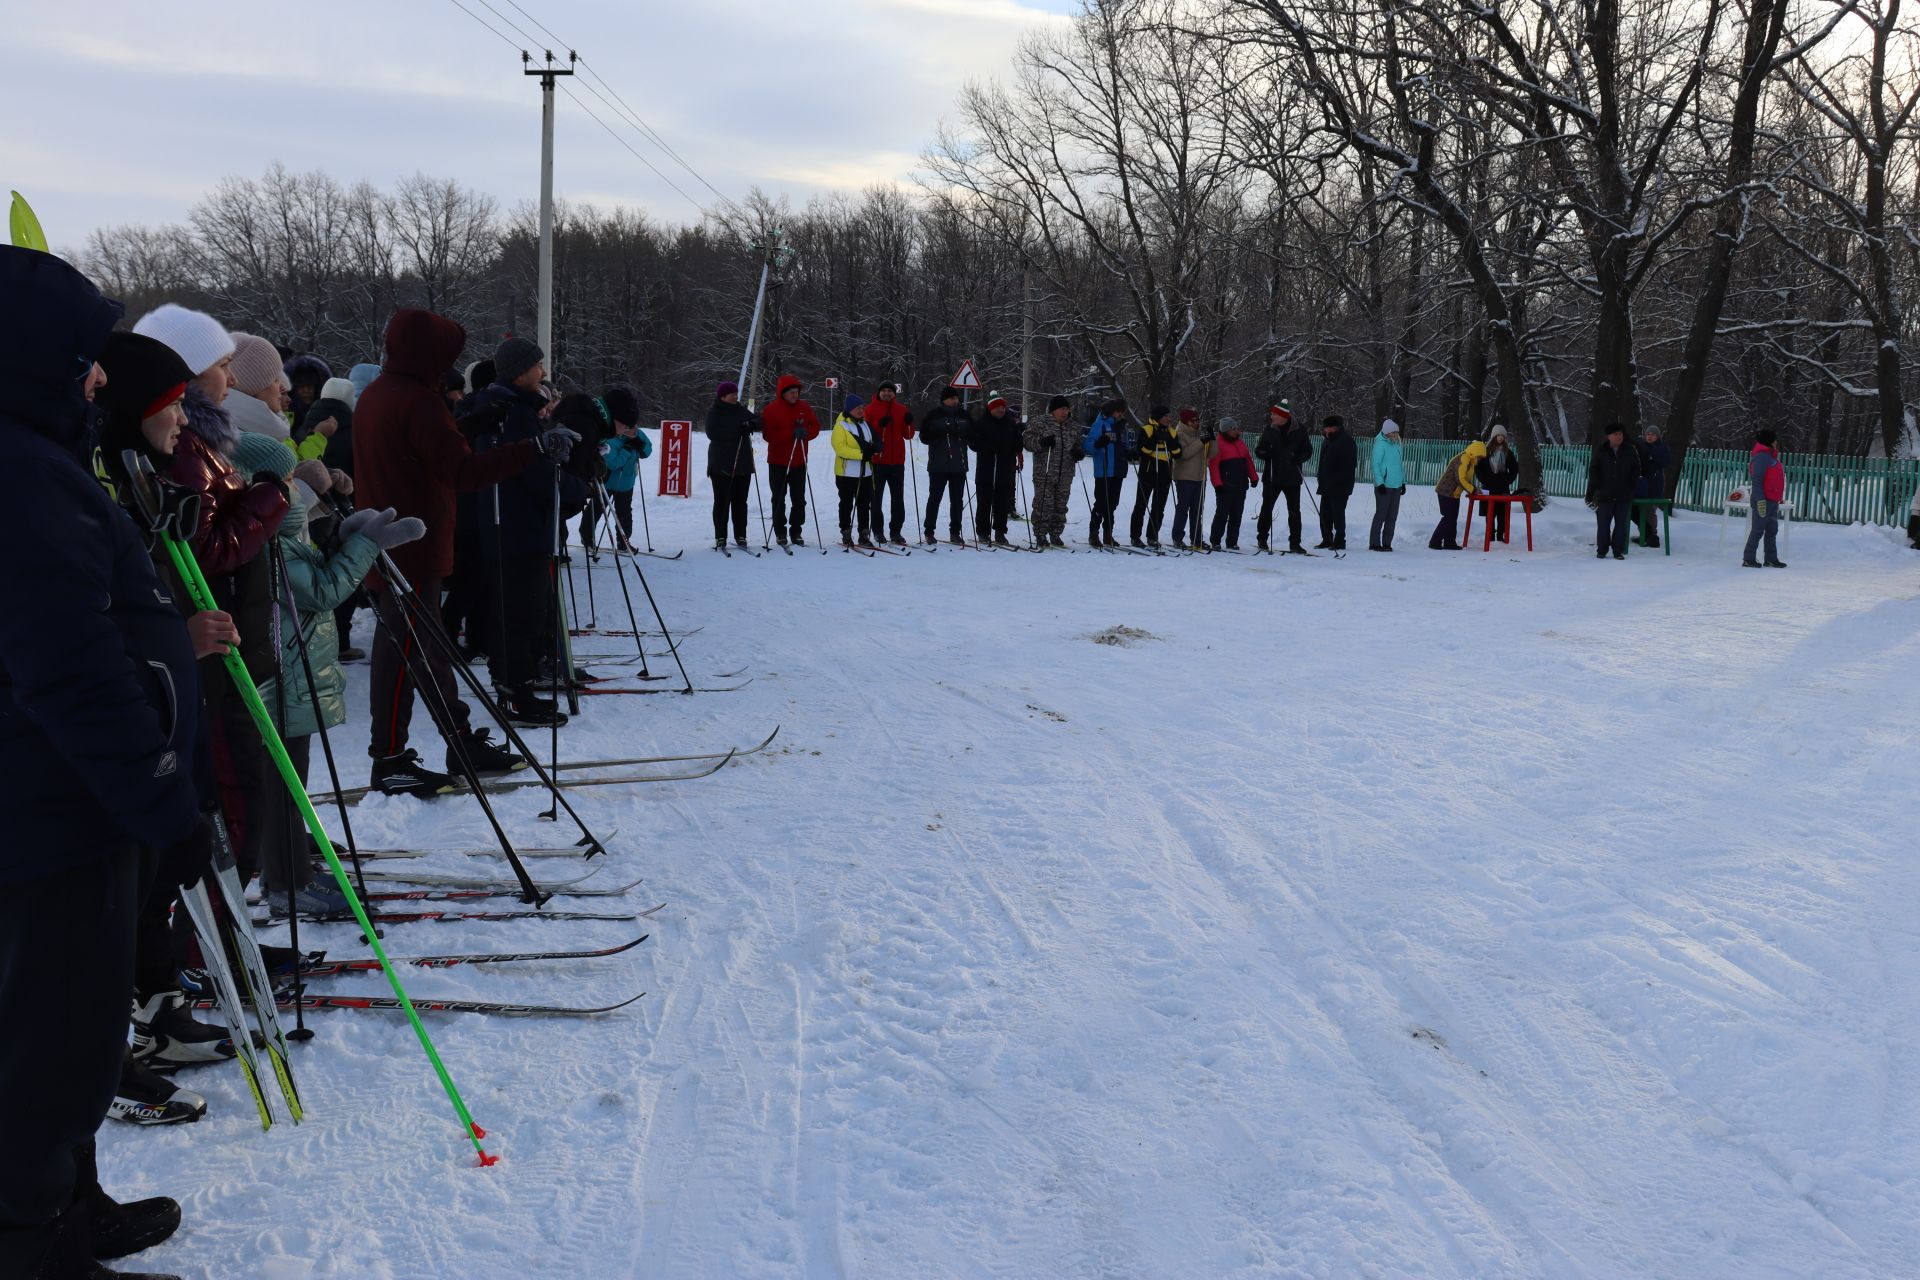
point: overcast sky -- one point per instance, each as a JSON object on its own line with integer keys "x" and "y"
{"x": 128, "y": 110}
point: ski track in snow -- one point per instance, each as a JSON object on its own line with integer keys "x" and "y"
{"x": 1411, "y": 916}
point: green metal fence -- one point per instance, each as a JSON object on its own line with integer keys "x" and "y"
{"x": 1823, "y": 488}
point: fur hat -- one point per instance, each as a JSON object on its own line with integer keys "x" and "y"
{"x": 514, "y": 357}
{"x": 195, "y": 336}
{"x": 256, "y": 365}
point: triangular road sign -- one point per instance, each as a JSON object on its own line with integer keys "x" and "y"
{"x": 966, "y": 379}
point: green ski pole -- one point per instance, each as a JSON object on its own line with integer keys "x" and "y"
{"x": 189, "y": 571}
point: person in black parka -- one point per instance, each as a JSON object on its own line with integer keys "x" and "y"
{"x": 1284, "y": 448}
{"x": 730, "y": 430}
{"x": 1339, "y": 467}
{"x": 96, "y": 673}
{"x": 1612, "y": 477}
{"x": 944, "y": 431}
{"x": 996, "y": 440}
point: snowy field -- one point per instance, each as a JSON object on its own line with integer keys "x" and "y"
{"x": 1449, "y": 915}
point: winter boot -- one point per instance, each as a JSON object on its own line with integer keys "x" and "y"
{"x": 738, "y": 541}
{"x": 114, "y": 1229}
{"x": 1000, "y": 540}
{"x": 796, "y": 539}
{"x": 404, "y": 775}
{"x": 147, "y": 1097}
{"x": 522, "y": 707}
{"x": 488, "y": 759}
{"x": 166, "y": 1037}
{"x": 1138, "y": 541}
{"x": 1261, "y": 542}
{"x": 74, "y": 1252}
{"x": 1776, "y": 564}
{"x": 1179, "y": 544}
{"x": 720, "y": 543}
{"x": 1295, "y": 549}
{"x": 866, "y": 540}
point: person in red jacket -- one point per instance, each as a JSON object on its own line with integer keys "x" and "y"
{"x": 408, "y": 455}
{"x": 788, "y": 423}
{"x": 894, "y": 423}
{"x": 1767, "y": 490}
{"x": 1232, "y": 472}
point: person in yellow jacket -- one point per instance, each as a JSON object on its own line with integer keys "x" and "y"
{"x": 1154, "y": 477}
{"x": 855, "y": 446}
{"x": 1456, "y": 480}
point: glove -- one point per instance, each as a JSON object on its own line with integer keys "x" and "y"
{"x": 558, "y": 442}
{"x": 1048, "y": 443}
{"x": 645, "y": 445}
{"x": 188, "y": 859}
{"x": 391, "y": 533}
{"x": 1077, "y": 453}
{"x": 1105, "y": 440}
{"x": 1592, "y": 505}
{"x": 342, "y": 482}
{"x": 313, "y": 473}
{"x": 359, "y": 520}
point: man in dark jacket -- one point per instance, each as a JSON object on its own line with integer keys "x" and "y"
{"x": 1154, "y": 475}
{"x": 1611, "y": 478}
{"x": 1654, "y": 459}
{"x": 1283, "y": 449}
{"x": 97, "y": 683}
{"x": 945, "y": 432}
{"x": 1339, "y": 467}
{"x": 730, "y": 428}
{"x": 410, "y": 456}
{"x": 522, "y": 528}
{"x": 996, "y": 439}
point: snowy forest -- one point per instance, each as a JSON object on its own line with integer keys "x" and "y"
{"x": 1695, "y": 214}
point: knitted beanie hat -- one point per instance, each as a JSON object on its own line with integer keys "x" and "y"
{"x": 144, "y": 376}
{"x": 254, "y": 453}
{"x": 623, "y": 402}
{"x": 514, "y": 357}
{"x": 362, "y": 376}
{"x": 256, "y": 364}
{"x": 195, "y": 336}
{"x": 340, "y": 389}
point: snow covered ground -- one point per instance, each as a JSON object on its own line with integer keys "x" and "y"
{"x": 1412, "y": 915}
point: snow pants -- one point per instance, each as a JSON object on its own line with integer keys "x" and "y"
{"x": 66, "y": 982}
{"x": 1269, "y": 495}
{"x": 1446, "y": 534}
{"x": 1150, "y": 499}
{"x": 890, "y": 484}
{"x": 1231, "y": 502}
{"x": 1106, "y": 503}
{"x": 1759, "y": 527}
{"x": 396, "y": 660}
{"x": 782, "y": 483}
{"x": 1333, "y": 519}
{"x": 730, "y": 499}
{"x": 993, "y": 482}
{"x": 954, "y": 485}
{"x": 1052, "y": 490}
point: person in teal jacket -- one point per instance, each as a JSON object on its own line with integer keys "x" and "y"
{"x": 1389, "y": 484}
{"x": 622, "y": 453}
{"x": 1111, "y": 443}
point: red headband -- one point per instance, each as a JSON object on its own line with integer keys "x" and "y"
{"x": 164, "y": 399}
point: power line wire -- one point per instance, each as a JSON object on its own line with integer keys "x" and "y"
{"x": 629, "y": 146}
{"x": 485, "y": 25}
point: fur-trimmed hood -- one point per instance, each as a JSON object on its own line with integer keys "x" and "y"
{"x": 210, "y": 422}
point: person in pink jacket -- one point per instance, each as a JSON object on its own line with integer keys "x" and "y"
{"x": 1766, "y": 490}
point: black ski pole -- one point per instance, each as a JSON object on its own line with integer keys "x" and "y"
{"x": 640, "y": 484}
{"x": 673, "y": 646}
{"x": 639, "y": 643}
{"x": 812, "y": 501}
{"x": 552, "y": 814}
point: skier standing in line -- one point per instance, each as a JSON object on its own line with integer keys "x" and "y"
{"x": 1052, "y": 440}
{"x": 894, "y": 423}
{"x": 97, "y": 739}
{"x": 1339, "y": 466}
{"x": 1283, "y": 449}
{"x": 730, "y": 427}
{"x": 1155, "y": 476}
{"x": 945, "y": 432}
{"x": 1232, "y": 473}
{"x": 855, "y": 445}
{"x": 1110, "y": 443}
{"x": 788, "y": 424}
{"x": 1193, "y": 448}
{"x": 996, "y": 438}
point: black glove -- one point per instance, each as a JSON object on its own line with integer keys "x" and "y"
{"x": 1105, "y": 440}
{"x": 1206, "y": 435}
{"x": 1078, "y": 453}
{"x": 191, "y": 857}
{"x": 1048, "y": 443}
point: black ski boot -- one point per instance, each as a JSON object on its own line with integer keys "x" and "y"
{"x": 1776, "y": 564}
{"x": 489, "y": 759}
{"x": 797, "y": 539}
{"x": 1261, "y": 543}
{"x": 166, "y": 1037}
{"x": 1055, "y": 540}
{"x": 521, "y": 707}
{"x": 316, "y": 902}
{"x": 1001, "y": 540}
{"x": 144, "y": 1096}
{"x": 866, "y": 540}
{"x": 404, "y": 775}
{"x": 1137, "y": 541}
{"x": 61, "y": 1250}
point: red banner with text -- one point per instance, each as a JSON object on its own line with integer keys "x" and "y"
{"x": 676, "y": 445}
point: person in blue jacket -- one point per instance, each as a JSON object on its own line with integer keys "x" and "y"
{"x": 1111, "y": 443}
{"x": 98, "y": 725}
{"x": 1389, "y": 485}
{"x": 622, "y": 452}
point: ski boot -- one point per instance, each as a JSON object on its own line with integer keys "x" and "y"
{"x": 488, "y": 759}
{"x": 404, "y": 775}
{"x": 522, "y": 707}
{"x": 166, "y": 1037}
{"x": 317, "y": 902}
{"x": 144, "y": 1096}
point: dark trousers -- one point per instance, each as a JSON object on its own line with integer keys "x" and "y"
{"x": 859, "y": 506}
{"x": 66, "y": 979}
{"x": 891, "y": 480}
{"x": 623, "y": 514}
{"x": 1106, "y": 501}
{"x": 1230, "y": 502}
{"x": 520, "y": 634}
{"x": 1186, "y": 511}
{"x": 394, "y": 656}
{"x": 1497, "y": 516}
{"x": 1610, "y": 525}
{"x": 953, "y": 484}
{"x": 1333, "y": 519}
{"x": 1446, "y": 534}
{"x": 993, "y": 481}
{"x": 1270, "y": 494}
{"x": 1150, "y": 496}
{"x": 289, "y": 862}
{"x": 1386, "y": 514}
{"x": 245, "y": 772}
{"x": 730, "y": 499}
{"x": 784, "y": 483}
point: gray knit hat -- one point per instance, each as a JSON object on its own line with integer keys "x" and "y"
{"x": 1229, "y": 424}
{"x": 514, "y": 357}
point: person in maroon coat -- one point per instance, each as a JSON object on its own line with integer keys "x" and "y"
{"x": 788, "y": 424}
{"x": 408, "y": 455}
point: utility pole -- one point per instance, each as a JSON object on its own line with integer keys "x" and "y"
{"x": 776, "y": 254}
{"x": 543, "y": 304}
{"x": 1026, "y": 344}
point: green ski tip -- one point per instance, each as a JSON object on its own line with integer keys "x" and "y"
{"x": 24, "y": 226}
